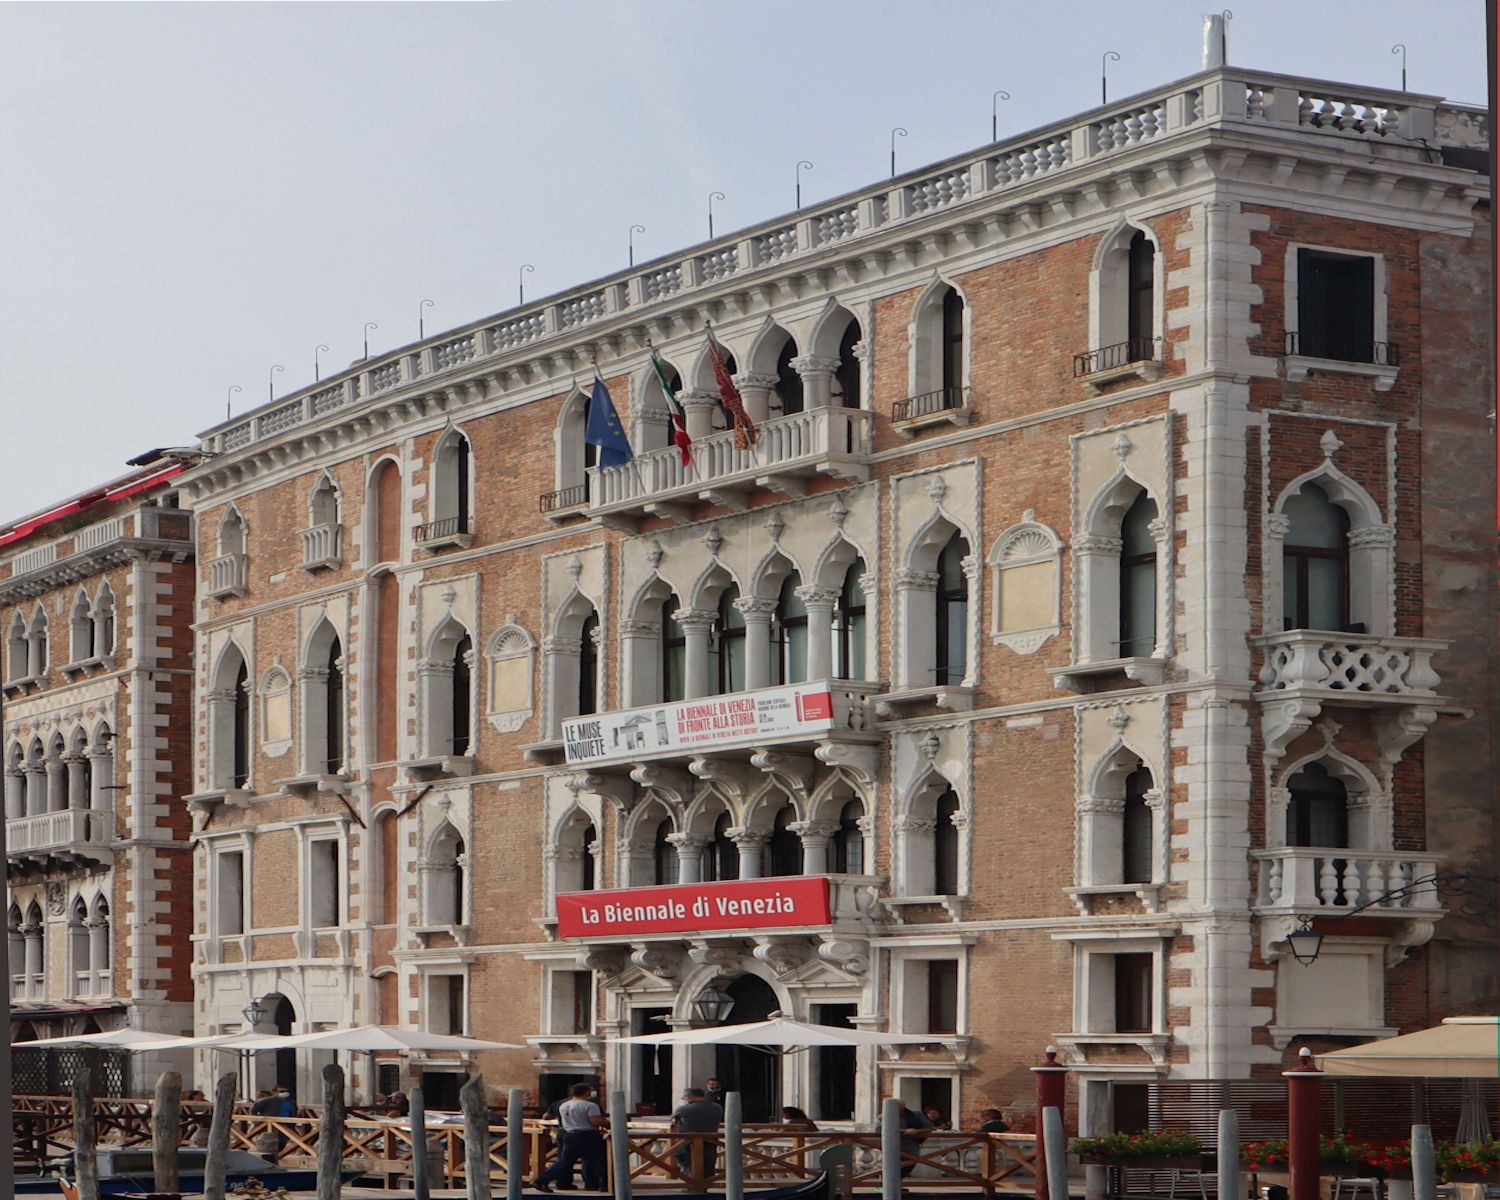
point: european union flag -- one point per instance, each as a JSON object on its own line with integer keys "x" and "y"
{"x": 604, "y": 429}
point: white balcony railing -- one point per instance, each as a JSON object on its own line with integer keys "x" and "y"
{"x": 829, "y": 440}
{"x": 1355, "y": 666}
{"x": 322, "y": 546}
{"x": 226, "y": 575}
{"x": 93, "y": 983}
{"x": 1309, "y": 879}
{"x": 97, "y": 535}
{"x": 57, "y": 831}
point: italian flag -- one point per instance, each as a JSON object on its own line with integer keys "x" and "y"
{"x": 680, "y": 437}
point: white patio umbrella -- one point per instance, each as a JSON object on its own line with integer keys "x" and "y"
{"x": 116, "y": 1039}
{"x": 781, "y": 1032}
{"x": 370, "y": 1039}
{"x": 1461, "y": 1048}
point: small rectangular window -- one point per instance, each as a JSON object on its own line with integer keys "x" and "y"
{"x": 581, "y": 987}
{"x": 1133, "y": 993}
{"x": 229, "y": 903}
{"x": 325, "y": 892}
{"x": 1336, "y": 306}
{"x": 942, "y": 996}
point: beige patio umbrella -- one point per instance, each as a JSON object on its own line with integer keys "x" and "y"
{"x": 112, "y": 1039}
{"x": 1459, "y": 1048}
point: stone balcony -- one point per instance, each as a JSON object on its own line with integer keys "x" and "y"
{"x": 1331, "y": 882}
{"x": 322, "y": 547}
{"x": 71, "y": 835}
{"x": 227, "y": 575}
{"x": 789, "y": 451}
{"x": 1308, "y": 669}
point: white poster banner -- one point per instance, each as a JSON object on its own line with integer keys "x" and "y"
{"x": 710, "y": 721}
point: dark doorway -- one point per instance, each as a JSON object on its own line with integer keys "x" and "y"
{"x": 834, "y": 1066}
{"x": 938, "y": 1094}
{"x": 552, "y": 1088}
{"x": 753, "y": 1072}
{"x": 651, "y": 1066}
{"x": 1130, "y": 1105}
{"x": 282, "y": 1016}
{"x": 440, "y": 1089}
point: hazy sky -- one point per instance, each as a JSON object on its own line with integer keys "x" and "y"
{"x": 194, "y": 192}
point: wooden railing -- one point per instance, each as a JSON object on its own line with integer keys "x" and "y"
{"x": 990, "y": 1163}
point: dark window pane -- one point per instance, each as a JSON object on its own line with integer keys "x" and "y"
{"x": 1136, "y": 832}
{"x": 1138, "y": 579}
{"x": 945, "y": 846}
{"x": 942, "y": 997}
{"x": 1133, "y": 993}
{"x": 1336, "y": 306}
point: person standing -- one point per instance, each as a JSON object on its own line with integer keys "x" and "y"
{"x": 267, "y": 1141}
{"x": 698, "y": 1114}
{"x": 580, "y": 1138}
{"x": 914, "y": 1130}
{"x": 714, "y": 1091}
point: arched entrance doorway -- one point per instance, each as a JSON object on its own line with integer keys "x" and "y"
{"x": 282, "y": 1017}
{"x": 749, "y": 1070}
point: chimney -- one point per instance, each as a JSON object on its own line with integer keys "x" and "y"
{"x": 1213, "y": 42}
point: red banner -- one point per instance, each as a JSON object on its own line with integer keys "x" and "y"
{"x": 791, "y": 900}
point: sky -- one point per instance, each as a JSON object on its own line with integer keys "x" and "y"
{"x": 194, "y": 193}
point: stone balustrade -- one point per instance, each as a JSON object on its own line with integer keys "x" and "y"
{"x": 1307, "y": 879}
{"x": 322, "y": 546}
{"x": 55, "y": 832}
{"x": 226, "y": 575}
{"x": 1350, "y": 665}
{"x": 1222, "y": 98}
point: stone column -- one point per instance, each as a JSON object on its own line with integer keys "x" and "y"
{"x": 915, "y": 592}
{"x": 35, "y": 963}
{"x": 77, "y": 766}
{"x": 15, "y": 793}
{"x": 101, "y": 778}
{"x": 699, "y": 406}
{"x": 36, "y": 787}
{"x": 750, "y": 844}
{"x": 640, "y": 663}
{"x": 815, "y": 836}
{"x": 99, "y": 957}
{"x": 57, "y": 785}
{"x": 689, "y": 856}
{"x": 817, "y": 379}
{"x": 758, "y": 615}
{"x": 755, "y": 391}
{"x": 819, "y": 602}
{"x": 696, "y": 625}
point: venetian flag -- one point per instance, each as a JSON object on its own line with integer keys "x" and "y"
{"x": 680, "y": 437}
{"x": 745, "y": 432}
{"x": 604, "y": 429}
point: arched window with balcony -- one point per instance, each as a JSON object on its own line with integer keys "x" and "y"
{"x": 849, "y": 628}
{"x": 789, "y": 634}
{"x": 232, "y": 533}
{"x": 444, "y": 893}
{"x": 15, "y": 783}
{"x": 1318, "y": 808}
{"x": 324, "y": 706}
{"x": 37, "y": 637}
{"x": 930, "y": 839}
{"x": 847, "y": 847}
{"x": 575, "y": 455}
{"x": 951, "y": 615}
{"x": 1138, "y": 579}
{"x": 323, "y": 502}
{"x": 939, "y": 366}
{"x": 726, "y": 649}
{"x": 1315, "y": 562}
{"x": 1125, "y": 300}
{"x": 81, "y": 629}
{"x": 663, "y": 854}
{"x": 103, "y": 617}
{"x": 80, "y": 981}
{"x": 228, "y": 703}
{"x": 572, "y": 661}
{"x": 452, "y": 499}
{"x": 34, "y": 930}
{"x": 782, "y": 854}
{"x": 18, "y": 652}
{"x": 446, "y": 676}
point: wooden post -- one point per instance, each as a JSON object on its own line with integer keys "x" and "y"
{"x": 331, "y": 1134}
{"x": 476, "y": 1138}
{"x": 215, "y": 1162}
{"x": 515, "y": 1144}
{"x": 85, "y": 1155}
{"x": 421, "y": 1185}
{"x": 166, "y": 1130}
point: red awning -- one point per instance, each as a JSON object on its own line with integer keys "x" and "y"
{"x": 112, "y": 493}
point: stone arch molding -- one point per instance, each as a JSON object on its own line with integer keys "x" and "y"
{"x": 1369, "y": 799}
{"x": 1108, "y": 277}
{"x": 1372, "y": 544}
{"x": 924, "y": 333}
{"x": 1026, "y": 581}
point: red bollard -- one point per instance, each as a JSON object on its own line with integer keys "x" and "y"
{"x": 1304, "y": 1094}
{"x": 1051, "y": 1091}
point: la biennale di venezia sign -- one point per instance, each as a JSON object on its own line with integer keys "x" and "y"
{"x": 779, "y": 712}
{"x": 780, "y": 903}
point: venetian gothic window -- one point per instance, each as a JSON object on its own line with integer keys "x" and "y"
{"x": 452, "y": 499}
{"x": 1315, "y": 562}
{"x": 447, "y": 690}
{"x": 443, "y": 874}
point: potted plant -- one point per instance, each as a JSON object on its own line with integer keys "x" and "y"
{"x": 1157, "y": 1150}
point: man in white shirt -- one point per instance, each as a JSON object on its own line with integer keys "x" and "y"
{"x": 580, "y": 1138}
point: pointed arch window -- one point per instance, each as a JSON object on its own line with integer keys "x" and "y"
{"x": 239, "y": 772}
{"x": 588, "y": 666}
{"x": 18, "y": 651}
{"x": 727, "y": 644}
{"x": 663, "y": 854}
{"x": 80, "y": 975}
{"x": 1315, "y": 562}
{"x": 1136, "y": 839}
{"x": 788, "y": 381}
{"x": 334, "y": 723}
{"x": 953, "y": 342}
{"x": 37, "y": 639}
{"x": 321, "y": 540}
{"x": 100, "y": 946}
{"x": 444, "y": 900}
{"x": 1318, "y": 811}
{"x": 848, "y": 848}
{"x": 673, "y": 653}
{"x": 81, "y": 629}
{"x": 16, "y": 945}
{"x": 35, "y": 960}
{"x": 1140, "y": 287}
{"x": 789, "y": 634}
{"x": 783, "y": 851}
{"x": 462, "y": 694}
{"x": 945, "y": 857}
{"x": 451, "y": 513}
{"x": 103, "y": 617}
{"x": 1138, "y": 579}
{"x": 952, "y": 613}
{"x": 323, "y": 503}
{"x": 721, "y": 857}
{"x": 847, "y": 380}
{"x": 849, "y": 625}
